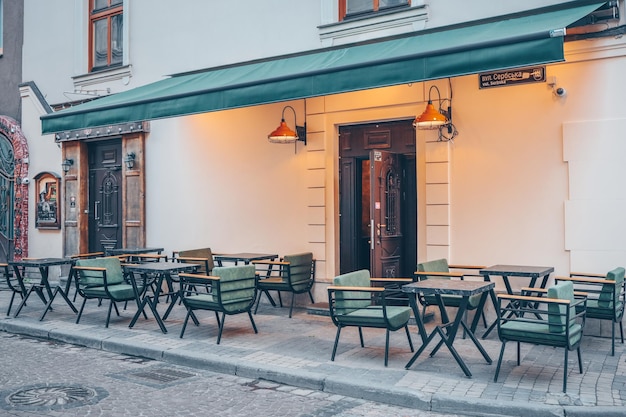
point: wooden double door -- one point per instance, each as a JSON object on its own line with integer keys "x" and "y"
{"x": 378, "y": 198}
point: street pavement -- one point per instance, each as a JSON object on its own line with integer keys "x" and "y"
{"x": 296, "y": 353}
{"x": 57, "y": 379}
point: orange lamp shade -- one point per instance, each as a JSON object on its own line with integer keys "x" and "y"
{"x": 430, "y": 119}
{"x": 282, "y": 134}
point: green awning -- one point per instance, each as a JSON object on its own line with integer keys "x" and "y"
{"x": 492, "y": 45}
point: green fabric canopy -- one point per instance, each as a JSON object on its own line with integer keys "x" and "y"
{"x": 447, "y": 52}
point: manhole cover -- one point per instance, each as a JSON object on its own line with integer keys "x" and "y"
{"x": 52, "y": 397}
{"x": 163, "y": 375}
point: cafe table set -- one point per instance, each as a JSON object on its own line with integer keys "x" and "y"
{"x": 448, "y": 330}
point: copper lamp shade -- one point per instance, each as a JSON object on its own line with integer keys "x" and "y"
{"x": 430, "y": 119}
{"x": 282, "y": 134}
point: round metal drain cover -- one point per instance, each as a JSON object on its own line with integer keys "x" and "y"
{"x": 52, "y": 397}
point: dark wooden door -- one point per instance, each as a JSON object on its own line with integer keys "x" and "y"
{"x": 393, "y": 252}
{"x": 105, "y": 195}
{"x": 386, "y": 240}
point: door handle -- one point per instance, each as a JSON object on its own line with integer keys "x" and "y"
{"x": 372, "y": 234}
{"x": 96, "y": 205}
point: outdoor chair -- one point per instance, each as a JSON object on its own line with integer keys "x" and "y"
{"x": 68, "y": 279}
{"x": 556, "y": 320}
{"x": 354, "y": 302}
{"x": 202, "y": 257}
{"x": 104, "y": 279}
{"x": 230, "y": 290}
{"x": 605, "y": 297}
{"x": 294, "y": 274}
{"x": 439, "y": 269}
{"x": 12, "y": 284}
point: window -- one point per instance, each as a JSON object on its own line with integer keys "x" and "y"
{"x": 352, "y": 8}
{"x": 105, "y": 34}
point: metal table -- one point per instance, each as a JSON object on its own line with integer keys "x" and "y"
{"x": 162, "y": 271}
{"x": 43, "y": 265}
{"x": 132, "y": 251}
{"x": 447, "y": 330}
{"x": 518, "y": 271}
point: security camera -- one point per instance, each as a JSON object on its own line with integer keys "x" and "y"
{"x": 25, "y": 181}
{"x": 560, "y": 92}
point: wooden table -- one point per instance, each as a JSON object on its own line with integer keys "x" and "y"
{"x": 162, "y": 271}
{"x": 516, "y": 271}
{"x": 447, "y": 330}
{"x": 43, "y": 265}
{"x": 245, "y": 257}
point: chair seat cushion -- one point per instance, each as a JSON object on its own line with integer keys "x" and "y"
{"x": 119, "y": 292}
{"x": 209, "y": 302}
{"x": 273, "y": 283}
{"x": 539, "y": 333}
{"x": 372, "y": 316}
{"x": 595, "y": 311}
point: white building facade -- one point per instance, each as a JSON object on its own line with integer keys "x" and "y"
{"x": 532, "y": 178}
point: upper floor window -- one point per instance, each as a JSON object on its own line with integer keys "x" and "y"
{"x": 352, "y": 8}
{"x": 105, "y": 33}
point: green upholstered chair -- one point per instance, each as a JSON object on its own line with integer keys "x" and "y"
{"x": 440, "y": 269}
{"x": 354, "y": 302}
{"x": 605, "y": 297}
{"x": 11, "y": 284}
{"x": 556, "y": 320}
{"x": 104, "y": 279}
{"x": 294, "y": 274}
{"x": 230, "y": 290}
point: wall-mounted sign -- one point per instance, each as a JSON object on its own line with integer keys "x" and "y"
{"x": 512, "y": 77}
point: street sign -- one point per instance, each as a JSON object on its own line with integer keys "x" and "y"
{"x": 512, "y": 77}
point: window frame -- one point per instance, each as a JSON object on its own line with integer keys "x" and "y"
{"x": 105, "y": 13}
{"x": 343, "y": 9}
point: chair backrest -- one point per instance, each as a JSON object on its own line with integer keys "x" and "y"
{"x": 345, "y": 301}
{"x": 557, "y": 313}
{"x": 205, "y": 253}
{"x": 115, "y": 273}
{"x": 437, "y": 265}
{"x": 300, "y": 270}
{"x": 605, "y": 299}
{"x": 237, "y": 287}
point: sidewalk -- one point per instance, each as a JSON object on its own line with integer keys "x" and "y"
{"x": 297, "y": 352}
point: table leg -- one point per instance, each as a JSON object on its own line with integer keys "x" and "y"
{"x": 418, "y": 319}
{"x": 58, "y": 290}
{"x": 147, "y": 301}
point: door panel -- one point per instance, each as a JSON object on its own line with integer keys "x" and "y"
{"x": 386, "y": 240}
{"x": 396, "y": 252}
{"x": 105, "y": 196}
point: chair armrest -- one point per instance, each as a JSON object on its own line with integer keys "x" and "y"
{"x": 585, "y": 280}
{"x": 368, "y": 289}
{"x": 533, "y": 299}
{"x": 87, "y": 255}
{"x": 545, "y": 290}
{"x": 191, "y": 258}
{"x": 586, "y": 274}
{"x": 392, "y": 280}
{"x": 268, "y": 262}
{"x": 89, "y": 268}
{"x": 199, "y": 276}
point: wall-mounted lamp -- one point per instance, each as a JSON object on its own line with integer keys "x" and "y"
{"x": 129, "y": 160}
{"x": 440, "y": 119}
{"x": 66, "y": 164}
{"x": 283, "y": 134}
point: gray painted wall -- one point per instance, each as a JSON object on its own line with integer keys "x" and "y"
{"x": 11, "y": 59}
